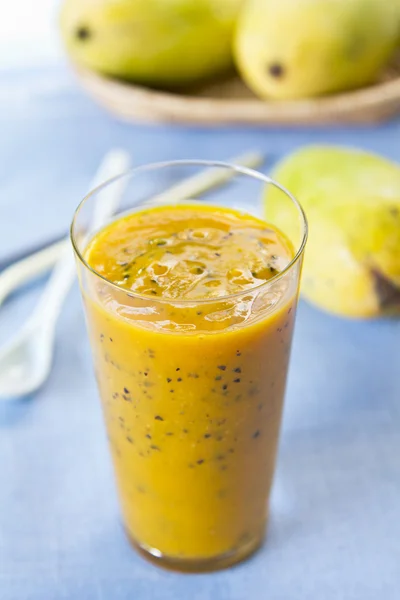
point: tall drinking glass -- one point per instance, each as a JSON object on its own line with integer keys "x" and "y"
{"x": 192, "y": 390}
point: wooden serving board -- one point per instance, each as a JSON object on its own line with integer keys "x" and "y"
{"x": 231, "y": 102}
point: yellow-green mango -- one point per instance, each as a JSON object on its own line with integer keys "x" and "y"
{"x": 288, "y": 49}
{"x": 165, "y": 43}
{"x": 352, "y": 202}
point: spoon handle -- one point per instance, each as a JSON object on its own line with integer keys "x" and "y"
{"x": 60, "y": 282}
{"x": 207, "y": 179}
{"x": 27, "y": 253}
{"x": 29, "y": 267}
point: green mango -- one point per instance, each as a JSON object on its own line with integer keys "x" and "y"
{"x": 352, "y": 202}
{"x": 289, "y": 49}
{"x": 165, "y": 43}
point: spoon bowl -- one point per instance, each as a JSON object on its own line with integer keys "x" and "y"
{"x": 25, "y": 363}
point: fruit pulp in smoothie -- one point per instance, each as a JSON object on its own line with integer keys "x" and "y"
{"x": 191, "y": 353}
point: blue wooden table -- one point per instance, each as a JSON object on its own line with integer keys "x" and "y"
{"x": 335, "y": 526}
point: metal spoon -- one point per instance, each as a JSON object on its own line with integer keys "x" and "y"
{"x": 25, "y": 361}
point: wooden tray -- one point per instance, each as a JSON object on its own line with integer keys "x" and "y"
{"x": 231, "y": 102}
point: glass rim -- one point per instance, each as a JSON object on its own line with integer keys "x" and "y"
{"x": 191, "y": 162}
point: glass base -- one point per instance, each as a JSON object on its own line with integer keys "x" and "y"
{"x": 197, "y": 565}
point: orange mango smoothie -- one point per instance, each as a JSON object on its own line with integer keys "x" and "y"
{"x": 191, "y": 331}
